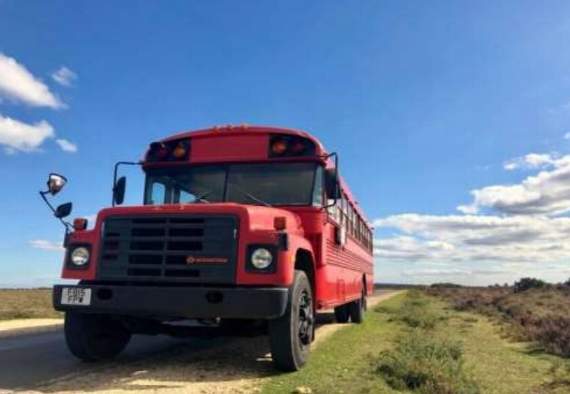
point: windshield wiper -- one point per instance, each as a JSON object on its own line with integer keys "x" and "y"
{"x": 200, "y": 197}
{"x": 251, "y": 196}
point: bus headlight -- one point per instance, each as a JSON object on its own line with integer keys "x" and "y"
{"x": 79, "y": 256}
{"x": 261, "y": 258}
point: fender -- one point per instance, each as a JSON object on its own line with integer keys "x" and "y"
{"x": 297, "y": 244}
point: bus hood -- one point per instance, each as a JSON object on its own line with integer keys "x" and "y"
{"x": 251, "y": 217}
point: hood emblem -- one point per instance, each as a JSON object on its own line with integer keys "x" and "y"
{"x": 205, "y": 260}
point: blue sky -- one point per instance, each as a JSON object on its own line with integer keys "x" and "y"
{"x": 425, "y": 102}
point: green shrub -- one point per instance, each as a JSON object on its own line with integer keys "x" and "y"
{"x": 418, "y": 318}
{"x": 445, "y": 285}
{"x": 529, "y": 283}
{"x": 426, "y": 365}
{"x": 416, "y": 312}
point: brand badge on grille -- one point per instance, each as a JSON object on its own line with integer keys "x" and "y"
{"x": 205, "y": 260}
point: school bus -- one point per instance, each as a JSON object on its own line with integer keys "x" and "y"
{"x": 242, "y": 228}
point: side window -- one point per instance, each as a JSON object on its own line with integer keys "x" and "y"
{"x": 157, "y": 193}
{"x": 318, "y": 188}
{"x": 345, "y": 214}
{"x": 185, "y": 197}
{"x": 350, "y": 219}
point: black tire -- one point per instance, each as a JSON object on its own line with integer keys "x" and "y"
{"x": 356, "y": 310}
{"x": 94, "y": 337}
{"x": 341, "y": 313}
{"x": 290, "y": 335}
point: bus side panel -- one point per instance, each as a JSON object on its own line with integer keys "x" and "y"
{"x": 339, "y": 285}
{"x": 340, "y": 277}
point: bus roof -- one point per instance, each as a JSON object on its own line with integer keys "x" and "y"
{"x": 245, "y": 129}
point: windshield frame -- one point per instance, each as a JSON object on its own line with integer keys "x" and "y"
{"x": 150, "y": 173}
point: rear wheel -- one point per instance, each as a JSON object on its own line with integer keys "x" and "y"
{"x": 290, "y": 335}
{"x": 356, "y": 311}
{"x": 94, "y": 337}
{"x": 341, "y": 313}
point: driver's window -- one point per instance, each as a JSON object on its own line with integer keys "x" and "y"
{"x": 157, "y": 193}
{"x": 318, "y": 188}
{"x": 186, "y": 197}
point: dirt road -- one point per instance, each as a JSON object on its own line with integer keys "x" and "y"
{"x": 151, "y": 364}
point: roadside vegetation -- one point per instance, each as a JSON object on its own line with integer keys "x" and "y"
{"x": 26, "y": 304}
{"x": 423, "y": 361}
{"x": 532, "y": 310}
{"x": 417, "y": 343}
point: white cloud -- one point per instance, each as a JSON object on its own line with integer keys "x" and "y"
{"x": 66, "y": 146}
{"x": 47, "y": 245}
{"x": 546, "y": 193}
{"x": 506, "y": 232}
{"x": 19, "y": 136}
{"x": 470, "y": 209}
{"x": 64, "y": 76}
{"x": 18, "y": 84}
{"x": 567, "y": 136}
{"x": 436, "y": 272}
{"x": 531, "y": 161}
{"x": 469, "y": 238}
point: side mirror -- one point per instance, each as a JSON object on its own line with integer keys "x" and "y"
{"x": 55, "y": 183}
{"x": 331, "y": 184}
{"x": 63, "y": 210}
{"x": 119, "y": 190}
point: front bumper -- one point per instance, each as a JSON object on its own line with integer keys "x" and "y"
{"x": 181, "y": 302}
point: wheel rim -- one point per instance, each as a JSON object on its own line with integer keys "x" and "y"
{"x": 306, "y": 318}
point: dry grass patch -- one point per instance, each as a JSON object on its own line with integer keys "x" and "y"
{"x": 26, "y": 304}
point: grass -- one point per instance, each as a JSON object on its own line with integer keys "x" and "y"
{"x": 26, "y": 304}
{"x": 437, "y": 349}
{"x": 346, "y": 362}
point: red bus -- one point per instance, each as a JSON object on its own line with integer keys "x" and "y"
{"x": 240, "y": 227}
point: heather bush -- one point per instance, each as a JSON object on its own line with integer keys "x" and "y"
{"x": 552, "y": 333}
{"x": 538, "y": 313}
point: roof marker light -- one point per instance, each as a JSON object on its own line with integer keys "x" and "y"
{"x": 279, "y": 147}
{"x": 180, "y": 151}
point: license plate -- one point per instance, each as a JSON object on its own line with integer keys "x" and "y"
{"x": 75, "y": 296}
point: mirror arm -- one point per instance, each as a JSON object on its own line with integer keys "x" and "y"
{"x": 43, "y": 196}
{"x": 68, "y": 226}
{"x": 116, "y": 170}
{"x": 336, "y": 176}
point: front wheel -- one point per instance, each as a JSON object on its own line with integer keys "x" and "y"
{"x": 94, "y": 337}
{"x": 290, "y": 335}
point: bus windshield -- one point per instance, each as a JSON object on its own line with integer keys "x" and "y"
{"x": 258, "y": 184}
